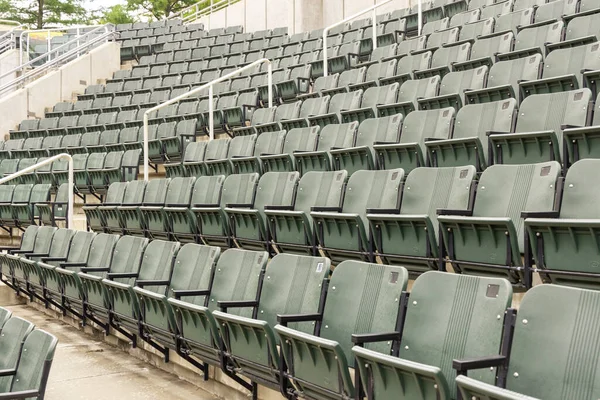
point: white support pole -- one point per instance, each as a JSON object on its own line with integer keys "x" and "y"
{"x": 419, "y": 17}
{"x": 211, "y": 117}
{"x": 48, "y": 161}
{"x": 350, "y": 18}
{"x": 208, "y": 86}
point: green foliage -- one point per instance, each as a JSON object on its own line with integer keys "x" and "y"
{"x": 45, "y": 13}
{"x": 158, "y": 9}
{"x": 116, "y": 15}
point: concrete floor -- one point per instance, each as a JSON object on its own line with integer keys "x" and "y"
{"x": 86, "y": 369}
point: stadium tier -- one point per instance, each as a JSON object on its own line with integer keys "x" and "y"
{"x": 465, "y": 160}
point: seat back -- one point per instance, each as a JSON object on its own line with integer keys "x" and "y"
{"x": 579, "y": 27}
{"x": 80, "y": 246}
{"x": 157, "y": 264}
{"x": 275, "y": 189}
{"x": 269, "y": 143}
{"x": 556, "y": 9}
{"x": 409, "y": 45}
{"x": 14, "y": 332}
{"x": 511, "y": 72}
{"x": 101, "y": 251}
{"x": 491, "y": 45}
{"x": 241, "y": 146}
{"x": 43, "y": 239}
{"x": 320, "y": 189}
{"x": 35, "y": 361}
{"x": 337, "y": 136}
{"x": 378, "y": 95}
{"x": 345, "y": 101}
{"x": 217, "y": 149}
{"x": 156, "y": 192}
{"x": 475, "y": 120}
{"x": 458, "y": 82}
{"x": 461, "y": 322}
{"x": 115, "y": 193}
{"x": 538, "y": 36}
{"x": 430, "y": 123}
{"x": 28, "y": 238}
{"x": 6, "y": 193}
{"x": 508, "y": 190}
{"x": 349, "y": 77}
{"x": 314, "y": 106}
{"x": 301, "y": 139}
{"x": 179, "y": 192}
{"x": 263, "y": 115}
{"x": 416, "y": 62}
{"x": 237, "y": 277}
{"x": 288, "y": 111}
{"x": 61, "y": 242}
{"x": 127, "y": 257}
{"x": 239, "y": 189}
{"x": 194, "y": 151}
{"x": 207, "y": 190}
{"x": 580, "y": 58}
{"x": 449, "y": 55}
{"x": 383, "y": 129}
{"x": 446, "y": 36}
{"x": 22, "y": 193}
{"x": 413, "y": 89}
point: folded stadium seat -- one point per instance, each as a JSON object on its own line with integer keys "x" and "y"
{"x": 6, "y": 196}
{"x": 195, "y": 109}
{"x": 534, "y": 39}
{"x": 174, "y": 145}
{"x": 418, "y": 127}
{"x": 426, "y": 190}
{"x": 344, "y": 232}
{"x": 153, "y": 274}
{"x": 42, "y": 280}
{"x": 582, "y": 69}
{"x": 346, "y": 78}
{"x": 10, "y": 146}
{"x": 393, "y": 32}
{"x": 14, "y": 331}
{"x": 297, "y": 139}
{"x": 191, "y": 281}
{"x": 310, "y": 107}
{"x": 30, "y": 144}
{"x": 194, "y": 152}
{"x": 430, "y": 27}
{"x": 298, "y": 83}
{"x": 23, "y": 265}
{"x": 492, "y": 238}
{"x": 580, "y": 30}
{"x": 51, "y": 145}
{"x": 70, "y": 143}
{"x": 443, "y": 59}
{"x": 95, "y": 222}
{"x": 469, "y": 142}
{"x": 83, "y": 178}
{"x": 118, "y": 167}
{"x": 580, "y": 143}
{"x": 111, "y": 215}
{"x": 288, "y": 111}
{"x": 326, "y": 375}
{"x": 166, "y": 114}
{"x": 59, "y": 109}
{"x": 266, "y": 143}
{"x": 309, "y": 276}
{"x": 41, "y": 244}
{"x": 407, "y": 66}
{"x": 381, "y": 53}
{"x": 9, "y": 166}
{"x": 497, "y": 9}
{"x": 338, "y": 103}
{"x": 157, "y": 223}
{"x": 238, "y": 275}
{"x": 60, "y": 171}
{"x": 131, "y": 138}
{"x": 410, "y": 45}
{"x": 527, "y": 358}
{"x": 567, "y": 262}
{"x": 239, "y": 146}
{"x": 538, "y": 138}
{"x": 240, "y": 114}
{"x": 26, "y": 212}
{"x": 155, "y": 146}
{"x": 106, "y": 139}
{"x": 127, "y": 49}
{"x": 25, "y": 126}
{"x": 91, "y": 91}
{"x": 31, "y": 374}
{"x": 514, "y": 21}
{"x": 427, "y": 347}
{"x": 241, "y": 84}
{"x": 53, "y": 211}
{"x": 123, "y": 267}
{"x": 214, "y": 150}
{"x": 207, "y": 191}
{"x": 261, "y": 83}
{"x": 361, "y": 155}
{"x": 442, "y": 37}
{"x": 211, "y": 220}
{"x": 134, "y": 220}
{"x": 346, "y": 56}
{"x": 105, "y": 119}
{"x": 224, "y": 102}
{"x": 453, "y": 88}
{"x": 372, "y": 98}
{"x": 145, "y": 60}
{"x": 43, "y": 174}
{"x": 247, "y": 220}
{"x": 26, "y": 178}
{"x": 376, "y": 72}
{"x": 485, "y": 49}
{"x": 555, "y": 10}
{"x": 44, "y": 125}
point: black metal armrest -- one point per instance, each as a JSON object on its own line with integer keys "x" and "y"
{"x": 285, "y": 319}
{"x": 184, "y": 293}
{"x": 151, "y": 282}
{"x": 72, "y": 264}
{"x": 539, "y": 214}
{"x": 569, "y": 126}
{"x": 94, "y": 269}
{"x": 25, "y": 252}
{"x": 205, "y": 205}
{"x": 433, "y": 139}
{"x": 37, "y": 255}
{"x": 462, "y": 366}
{"x": 360, "y": 339}
{"x": 23, "y": 394}
{"x": 7, "y": 372}
{"x": 490, "y": 133}
{"x": 224, "y": 305}
{"x": 446, "y": 211}
{"x": 238, "y": 205}
{"x": 46, "y": 259}
{"x": 290, "y": 208}
{"x": 383, "y": 211}
{"x": 326, "y": 209}
{"x": 112, "y": 275}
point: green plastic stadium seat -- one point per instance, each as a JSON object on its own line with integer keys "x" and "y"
{"x": 297, "y": 139}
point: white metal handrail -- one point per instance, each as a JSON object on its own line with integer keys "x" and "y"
{"x": 28, "y": 170}
{"x": 8, "y": 38}
{"x": 65, "y": 57}
{"x": 194, "y": 12}
{"x": 358, "y": 14}
{"x": 76, "y": 39}
{"x": 209, "y": 85}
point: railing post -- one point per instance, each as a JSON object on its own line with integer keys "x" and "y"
{"x": 146, "y": 147}
{"x": 374, "y": 29}
{"x": 324, "y": 53}
{"x": 419, "y": 17}
{"x": 211, "y": 117}
{"x": 70, "y": 204}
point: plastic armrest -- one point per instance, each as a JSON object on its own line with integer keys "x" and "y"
{"x": 432, "y": 139}
{"x": 205, "y": 205}
{"x": 151, "y": 282}
{"x": 383, "y": 211}
{"x": 326, "y": 209}
{"x": 112, "y": 275}
{"x": 46, "y": 259}
{"x": 26, "y": 252}
{"x": 539, "y": 214}
{"x": 37, "y": 255}
{"x": 285, "y": 319}
{"x": 462, "y": 366}
{"x": 72, "y": 264}
{"x": 239, "y": 205}
{"x": 183, "y": 293}
{"x": 224, "y": 305}
{"x": 7, "y": 372}
{"x": 291, "y": 208}
{"x": 569, "y": 126}
{"x": 490, "y": 133}
{"x": 94, "y": 269}
{"x": 375, "y": 337}
{"x": 446, "y": 211}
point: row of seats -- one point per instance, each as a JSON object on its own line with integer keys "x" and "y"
{"x": 433, "y": 216}
{"x": 26, "y": 357}
{"x": 19, "y": 205}
{"x": 294, "y": 326}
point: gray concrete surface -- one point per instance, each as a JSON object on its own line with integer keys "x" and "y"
{"x": 86, "y": 369}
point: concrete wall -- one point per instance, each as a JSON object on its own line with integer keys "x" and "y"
{"x": 9, "y": 60}
{"x": 13, "y": 109}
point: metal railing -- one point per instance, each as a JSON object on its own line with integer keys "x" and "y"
{"x": 199, "y": 10}
{"x": 8, "y": 40}
{"x": 47, "y": 161}
{"x": 80, "y": 32}
{"x": 209, "y": 85}
{"x": 358, "y": 14}
{"x": 55, "y": 62}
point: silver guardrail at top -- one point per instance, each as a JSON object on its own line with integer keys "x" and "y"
{"x": 209, "y": 86}
{"x": 199, "y": 10}
{"x": 374, "y": 18}
{"x": 8, "y": 40}
{"x": 64, "y": 54}
{"x": 48, "y": 161}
